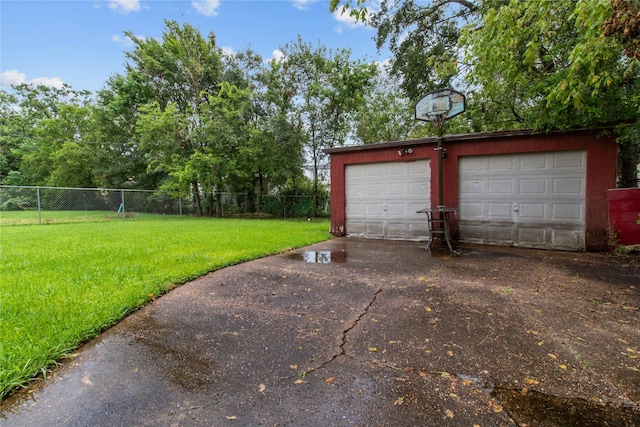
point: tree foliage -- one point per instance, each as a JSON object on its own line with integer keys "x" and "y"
{"x": 548, "y": 64}
{"x": 325, "y": 89}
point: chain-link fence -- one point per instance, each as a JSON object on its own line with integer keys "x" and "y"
{"x": 34, "y": 204}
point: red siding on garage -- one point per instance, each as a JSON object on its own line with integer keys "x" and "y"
{"x": 600, "y": 174}
{"x": 624, "y": 214}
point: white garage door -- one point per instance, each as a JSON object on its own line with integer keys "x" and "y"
{"x": 531, "y": 200}
{"x": 382, "y": 199}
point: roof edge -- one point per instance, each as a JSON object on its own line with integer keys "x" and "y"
{"x": 459, "y": 138}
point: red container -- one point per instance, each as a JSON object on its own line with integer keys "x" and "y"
{"x": 624, "y": 211}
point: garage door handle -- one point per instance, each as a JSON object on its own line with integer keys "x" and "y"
{"x": 516, "y": 208}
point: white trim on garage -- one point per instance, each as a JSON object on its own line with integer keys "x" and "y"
{"x": 382, "y": 199}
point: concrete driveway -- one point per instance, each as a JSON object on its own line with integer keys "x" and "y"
{"x": 354, "y": 332}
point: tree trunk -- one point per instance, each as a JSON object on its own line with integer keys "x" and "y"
{"x": 196, "y": 198}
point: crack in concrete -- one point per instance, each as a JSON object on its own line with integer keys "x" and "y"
{"x": 343, "y": 338}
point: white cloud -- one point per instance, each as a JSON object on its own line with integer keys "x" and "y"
{"x": 302, "y": 4}
{"x": 46, "y": 81}
{"x": 278, "y": 55}
{"x": 13, "y": 77}
{"x": 206, "y": 7}
{"x": 125, "y": 41}
{"x": 124, "y": 6}
{"x": 227, "y": 51}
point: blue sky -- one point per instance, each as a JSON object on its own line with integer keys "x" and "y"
{"x": 82, "y": 42}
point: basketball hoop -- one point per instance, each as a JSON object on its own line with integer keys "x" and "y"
{"x": 437, "y": 107}
{"x": 440, "y": 105}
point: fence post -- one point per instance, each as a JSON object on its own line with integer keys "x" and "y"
{"x": 122, "y": 197}
{"x": 180, "y": 204}
{"x": 39, "y": 210}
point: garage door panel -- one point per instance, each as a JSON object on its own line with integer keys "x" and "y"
{"x": 567, "y": 160}
{"x": 374, "y": 190}
{"x": 566, "y": 239}
{"x": 374, "y": 229}
{"x": 501, "y": 186}
{"x": 499, "y": 210}
{"x": 533, "y": 162}
{"x": 540, "y": 197}
{"x": 532, "y": 211}
{"x": 355, "y": 210}
{"x": 397, "y": 210}
{"x": 533, "y": 186}
{"x": 469, "y": 186}
{"x": 397, "y": 189}
{"x": 355, "y": 191}
{"x": 392, "y": 194}
{"x": 497, "y": 233}
{"x": 531, "y": 236}
{"x": 396, "y": 169}
{"x": 472, "y": 210}
{"x": 568, "y": 186}
{"x": 373, "y": 170}
{"x": 571, "y": 212}
{"x": 501, "y": 163}
{"x": 419, "y": 189}
{"x": 374, "y": 209}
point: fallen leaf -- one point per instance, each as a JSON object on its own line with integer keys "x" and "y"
{"x": 450, "y": 353}
{"x": 427, "y": 309}
{"x": 232, "y": 417}
{"x": 373, "y": 349}
{"x": 329, "y": 380}
{"x": 541, "y": 343}
{"x": 553, "y": 356}
{"x": 563, "y": 367}
{"x": 399, "y": 401}
{"x": 294, "y": 367}
{"x": 449, "y": 413}
{"x": 298, "y": 381}
{"x": 531, "y": 381}
{"x": 262, "y": 388}
{"x": 495, "y": 406}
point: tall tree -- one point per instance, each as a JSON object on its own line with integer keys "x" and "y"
{"x": 37, "y": 121}
{"x": 327, "y": 89}
{"x": 421, "y": 35}
{"x": 117, "y": 113}
{"x": 182, "y": 70}
{"x": 386, "y": 114}
{"x": 550, "y": 65}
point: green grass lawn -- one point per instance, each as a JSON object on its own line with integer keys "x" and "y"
{"x": 25, "y": 217}
{"x": 62, "y": 284}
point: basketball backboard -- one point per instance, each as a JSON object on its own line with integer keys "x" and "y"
{"x": 441, "y": 104}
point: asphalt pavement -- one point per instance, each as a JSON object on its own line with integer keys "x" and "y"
{"x": 353, "y": 332}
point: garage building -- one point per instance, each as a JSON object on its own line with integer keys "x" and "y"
{"x": 515, "y": 188}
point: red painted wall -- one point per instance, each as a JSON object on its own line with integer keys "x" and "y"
{"x": 601, "y": 168}
{"x": 624, "y": 211}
